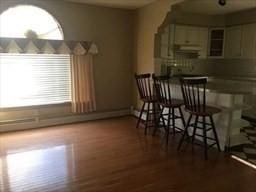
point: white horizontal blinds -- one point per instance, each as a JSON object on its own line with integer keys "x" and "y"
{"x": 34, "y": 79}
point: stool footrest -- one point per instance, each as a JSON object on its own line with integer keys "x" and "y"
{"x": 202, "y": 145}
{"x": 201, "y": 128}
{"x": 206, "y": 137}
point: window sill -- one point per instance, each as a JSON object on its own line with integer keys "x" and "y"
{"x": 9, "y": 109}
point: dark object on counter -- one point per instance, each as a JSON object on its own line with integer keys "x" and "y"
{"x": 164, "y": 96}
{"x": 187, "y": 75}
{"x": 149, "y": 99}
{"x": 195, "y": 104}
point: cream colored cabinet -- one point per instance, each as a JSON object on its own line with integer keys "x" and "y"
{"x": 233, "y": 48}
{"x": 167, "y": 39}
{"x": 187, "y": 35}
{"x": 240, "y": 41}
{"x": 191, "y": 35}
{"x": 180, "y": 34}
{"x": 248, "y": 49}
{"x": 203, "y": 42}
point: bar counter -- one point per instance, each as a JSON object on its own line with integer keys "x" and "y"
{"x": 230, "y": 100}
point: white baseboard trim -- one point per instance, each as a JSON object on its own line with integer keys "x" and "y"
{"x": 63, "y": 120}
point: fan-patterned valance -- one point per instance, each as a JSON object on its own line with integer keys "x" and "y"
{"x": 41, "y": 46}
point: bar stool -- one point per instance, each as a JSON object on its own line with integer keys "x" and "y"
{"x": 194, "y": 95}
{"x": 149, "y": 101}
{"x": 164, "y": 96}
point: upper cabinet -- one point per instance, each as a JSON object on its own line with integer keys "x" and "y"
{"x": 217, "y": 38}
{"x": 248, "y": 49}
{"x": 237, "y": 41}
{"x": 203, "y": 42}
{"x": 180, "y": 34}
{"x": 167, "y": 39}
{"x": 240, "y": 41}
{"x": 192, "y": 36}
{"x": 233, "y": 42}
{"x": 186, "y": 35}
{"x": 206, "y": 34}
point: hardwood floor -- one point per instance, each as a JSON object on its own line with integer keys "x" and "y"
{"x": 112, "y": 156}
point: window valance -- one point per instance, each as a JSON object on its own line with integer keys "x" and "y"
{"x": 41, "y": 46}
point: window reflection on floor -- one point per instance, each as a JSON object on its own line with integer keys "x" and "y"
{"x": 37, "y": 168}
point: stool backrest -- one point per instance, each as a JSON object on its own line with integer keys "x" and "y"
{"x": 162, "y": 88}
{"x": 144, "y": 85}
{"x": 193, "y": 91}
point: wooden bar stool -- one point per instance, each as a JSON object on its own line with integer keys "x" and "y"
{"x": 194, "y": 95}
{"x": 164, "y": 96}
{"x": 149, "y": 101}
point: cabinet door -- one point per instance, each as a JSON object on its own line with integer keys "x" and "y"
{"x": 233, "y": 42}
{"x": 192, "y": 35}
{"x": 165, "y": 42}
{"x": 203, "y": 42}
{"x": 180, "y": 34}
{"x": 248, "y": 41}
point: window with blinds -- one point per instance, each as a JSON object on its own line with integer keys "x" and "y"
{"x": 34, "y": 79}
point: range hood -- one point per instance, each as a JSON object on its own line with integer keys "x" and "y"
{"x": 187, "y": 48}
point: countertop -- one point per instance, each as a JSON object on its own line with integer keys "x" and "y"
{"x": 239, "y": 78}
{"x": 220, "y": 77}
{"x": 224, "y": 88}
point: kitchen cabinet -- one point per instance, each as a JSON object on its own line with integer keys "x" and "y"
{"x": 248, "y": 49}
{"x": 180, "y": 34}
{"x": 216, "y": 45}
{"x": 233, "y": 42}
{"x": 203, "y": 42}
{"x": 186, "y": 35}
{"x": 240, "y": 41}
{"x": 194, "y": 36}
{"x": 167, "y": 39}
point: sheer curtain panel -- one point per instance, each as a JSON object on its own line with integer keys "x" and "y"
{"x": 83, "y": 92}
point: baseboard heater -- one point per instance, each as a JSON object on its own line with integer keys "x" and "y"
{"x": 16, "y": 121}
{"x": 44, "y": 121}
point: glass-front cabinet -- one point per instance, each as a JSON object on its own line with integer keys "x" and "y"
{"x": 217, "y": 38}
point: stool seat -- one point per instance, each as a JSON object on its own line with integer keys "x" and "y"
{"x": 152, "y": 99}
{"x": 209, "y": 111}
{"x": 173, "y": 103}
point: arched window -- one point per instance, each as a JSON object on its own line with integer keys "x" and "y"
{"x": 29, "y": 21}
{"x": 32, "y": 79}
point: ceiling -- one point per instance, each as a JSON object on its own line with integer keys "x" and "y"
{"x": 211, "y": 7}
{"x": 126, "y": 4}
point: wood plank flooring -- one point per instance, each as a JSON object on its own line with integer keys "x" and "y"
{"x": 112, "y": 156}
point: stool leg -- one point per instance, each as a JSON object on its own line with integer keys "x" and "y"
{"x": 154, "y": 114}
{"x": 205, "y": 139}
{"x": 194, "y": 131}
{"x": 173, "y": 121}
{"x": 162, "y": 117}
{"x": 185, "y": 132}
{"x": 168, "y": 126}
{"x": 215, "y": 133}
{"x": 182, "y": 117}
{"x": 147, "y": 118}
{"x": 141, "y": 112}
{"x": 157, "y": 120}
